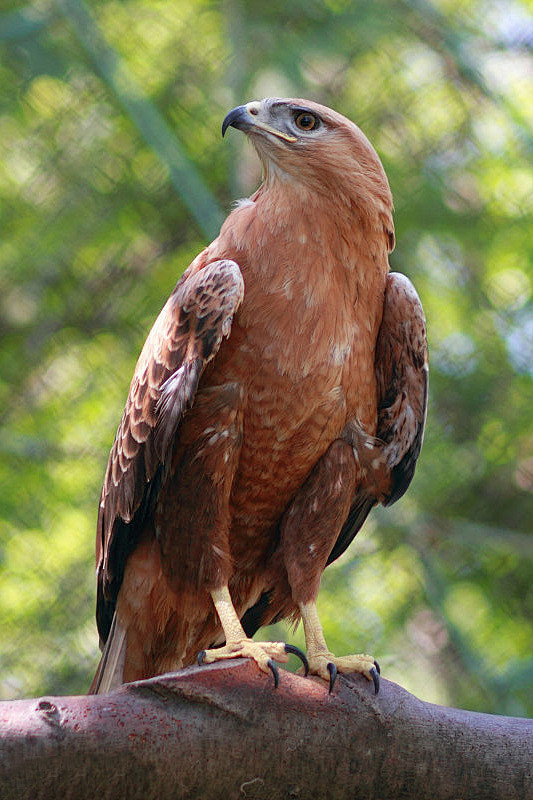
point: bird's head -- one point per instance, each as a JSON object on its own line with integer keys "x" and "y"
{"x": 319, "y": 152}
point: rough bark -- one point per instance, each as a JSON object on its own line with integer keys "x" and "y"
{"x": 222, "y": 731}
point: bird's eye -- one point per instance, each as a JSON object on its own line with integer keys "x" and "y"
{"x": 306, "y": 121}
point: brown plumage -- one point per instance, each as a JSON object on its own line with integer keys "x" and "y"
{"x": 280, "y": 395}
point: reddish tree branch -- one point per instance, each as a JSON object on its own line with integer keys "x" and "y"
{"x": 222, "y": 731}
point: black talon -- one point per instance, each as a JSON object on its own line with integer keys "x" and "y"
{"x": 200, "y": 657}
{"x": 377, "y": 667}
{"x": 332, "y": 669}
{"x": 275, "y": 672}
{"x": 375, "y": 678}
{"x": 290, "y": 648}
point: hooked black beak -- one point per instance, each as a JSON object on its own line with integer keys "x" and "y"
{"x": 246, "y": 118}
{"x": 236, "y": 118}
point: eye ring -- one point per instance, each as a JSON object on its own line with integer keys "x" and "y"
{"x": 306, "y": 121}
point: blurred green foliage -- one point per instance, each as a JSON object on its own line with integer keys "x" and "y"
{"x": 113, "y": 176}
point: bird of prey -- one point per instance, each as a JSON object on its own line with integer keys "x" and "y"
{"x": 279, "y": 396}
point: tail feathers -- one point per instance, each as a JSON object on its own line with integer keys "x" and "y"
{"x": 109, "y": 675}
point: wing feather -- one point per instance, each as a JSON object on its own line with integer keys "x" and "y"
{"x": 185, "y": 337}
{"x": 402, "y": 381}
{"x": 402, "y": 374}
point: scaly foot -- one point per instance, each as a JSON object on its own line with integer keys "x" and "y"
{"x": 326, "y": 665}
{"x": 263, "y": 653}
{"x": 322, "y": 662}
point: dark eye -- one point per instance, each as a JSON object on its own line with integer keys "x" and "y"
{"x": 306, "y": 121}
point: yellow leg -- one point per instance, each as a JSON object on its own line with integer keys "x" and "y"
{"x": 238, "y": 645}
{"x": 322, "y": 662}
{"x": 231, "y": 624}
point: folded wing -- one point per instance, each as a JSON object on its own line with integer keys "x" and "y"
{"x": 388, "y": 461}
{"x": 185, "y": 337}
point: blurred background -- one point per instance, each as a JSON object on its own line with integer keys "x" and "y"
{"x": 113, "y": 176}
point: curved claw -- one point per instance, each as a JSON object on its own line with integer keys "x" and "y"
{"x": 377, "y": 667}
{"x": 290, "y": 648}
{"x": 332, "y": 669}
{"x": 275, "y": 672}
{"x": 375, "y": 678}
{"x": 200, "y": 658}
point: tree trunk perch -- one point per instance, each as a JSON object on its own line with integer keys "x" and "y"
{"x": 222, "y": 731}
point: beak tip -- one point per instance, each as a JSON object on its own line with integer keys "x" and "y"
{"x": 235, "y": 116}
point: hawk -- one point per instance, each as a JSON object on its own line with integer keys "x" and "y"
{"x": 279, "y": 396}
